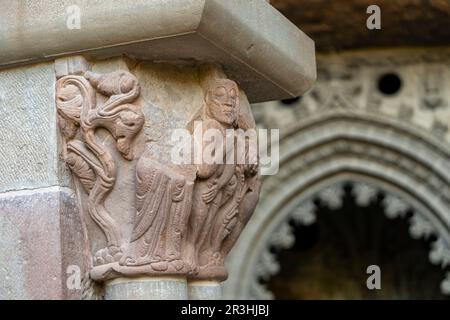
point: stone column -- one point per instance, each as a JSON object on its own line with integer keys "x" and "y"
{"x": 147, "y": 288}
{"x": 205, "y": 290}
{"x": 101, "y": 141}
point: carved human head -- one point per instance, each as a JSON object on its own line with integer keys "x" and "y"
{"x": 222, "y": 101}
{"x": 126, "y": 126}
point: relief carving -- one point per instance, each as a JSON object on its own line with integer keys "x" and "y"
{"x": 79, "y": 116}
{"x": 225, "y": 194}
{"x": 184, "y": 223}
{"x": 163, "y": 203}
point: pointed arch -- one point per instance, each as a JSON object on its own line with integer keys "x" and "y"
{"x": 318, "y": 155}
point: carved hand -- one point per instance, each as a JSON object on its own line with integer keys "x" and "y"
{"x": 210, "y": 193}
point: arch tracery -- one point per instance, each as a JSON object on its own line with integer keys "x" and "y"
{"x": 317, "y": 157}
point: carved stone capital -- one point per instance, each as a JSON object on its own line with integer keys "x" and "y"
{"x": 145, "y": 215}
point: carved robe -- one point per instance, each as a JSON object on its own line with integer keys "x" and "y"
{"x": 235, "y": 187}
{"x": 163, "y": 204}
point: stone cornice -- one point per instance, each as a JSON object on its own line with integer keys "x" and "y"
{"x": 268, "y": 56}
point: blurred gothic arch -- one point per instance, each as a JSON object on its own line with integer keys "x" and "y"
{"x": 347, "y": 131}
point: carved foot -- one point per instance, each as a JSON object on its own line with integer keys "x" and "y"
{"x": 213, "y": 270}
{"x": 210, "y": 272}
{"x": 160, "y": 265}
{"x": 164, "y": 265}
{"x": 192, "y": 267}
{"x": 216, "y": 259}
{"x": 108, "y": 255}
{"x": 191, "y": 259}
{"x": 177, "y": 264}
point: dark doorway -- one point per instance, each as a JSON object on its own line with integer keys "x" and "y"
{"x": 330, "y": 257}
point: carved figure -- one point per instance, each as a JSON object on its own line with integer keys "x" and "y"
{"x": 163, "y": 204}
{"x": 219, "y": 189}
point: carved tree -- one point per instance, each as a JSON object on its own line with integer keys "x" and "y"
{"x": 79, "y": 116}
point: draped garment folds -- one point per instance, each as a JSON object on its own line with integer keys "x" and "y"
{"x": 163, "y": 203}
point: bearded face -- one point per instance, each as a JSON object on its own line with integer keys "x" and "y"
{"x": 223, "y": 102}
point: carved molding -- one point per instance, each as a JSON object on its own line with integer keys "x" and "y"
{"x": 184, "y": 223}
